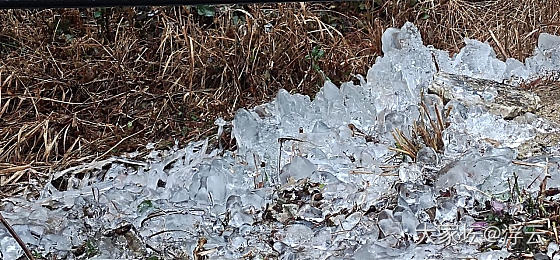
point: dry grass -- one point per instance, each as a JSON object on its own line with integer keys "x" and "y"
{"x": 82, "y": 84}
{"x": 425, "y": 132}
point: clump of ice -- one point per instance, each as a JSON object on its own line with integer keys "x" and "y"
{"x": 546, "y": 56}
{"x": 311, "y": 178}
{"x": 478, "y": 60}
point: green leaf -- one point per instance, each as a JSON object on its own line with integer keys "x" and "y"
{"x": 362, "y": 6}
{"x": 68, "y": 37}
{"x": 129, "y": 124}
{"x": 316, "y": 67}
{"x": 37, "y": 255}
{"x": 91, "y": 249}
{"x": 206, "y": 10}
{"x": 317, "y": 53}
{"x": 238, "y": 19}
{"x": 97, "y": 14}
{"x": 145, "y": 205}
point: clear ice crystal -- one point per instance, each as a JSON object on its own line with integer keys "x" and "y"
{"x": 478, "y": 60}
{"x": 546, "y": 56}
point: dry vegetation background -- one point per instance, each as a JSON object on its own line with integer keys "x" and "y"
{"x": 78, "y": 85}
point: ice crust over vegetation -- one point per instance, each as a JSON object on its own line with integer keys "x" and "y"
{"x": 311, "y": 178}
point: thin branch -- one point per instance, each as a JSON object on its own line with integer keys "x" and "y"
{"x": 17, "y": 238}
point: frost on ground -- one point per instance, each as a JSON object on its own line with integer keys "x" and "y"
{"x": 325, "y": 178}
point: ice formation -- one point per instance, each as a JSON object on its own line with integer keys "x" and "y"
{"x": 311, "y": 178}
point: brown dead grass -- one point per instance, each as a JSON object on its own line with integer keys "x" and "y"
{"x": 425, "y": 132}
{"x": 79, "y": 85}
